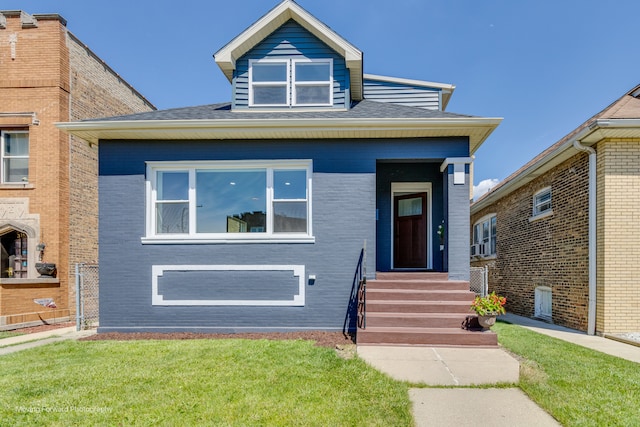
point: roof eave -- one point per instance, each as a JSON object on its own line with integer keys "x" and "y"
{"x": 476, "y": 129}
{"x": 596, "y": 131}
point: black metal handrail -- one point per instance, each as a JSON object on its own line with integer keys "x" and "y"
{"x": 362, "y": 288}
{"x": 356, "y": 311}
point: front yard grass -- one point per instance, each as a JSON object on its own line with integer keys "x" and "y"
{"x": 576, "y": 385}
{"x": 196, "y": 382}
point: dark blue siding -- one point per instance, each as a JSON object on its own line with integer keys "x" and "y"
{"x": 402, "y": 94}
{"x": 350, "y": 156}
{"x": 344, "y": 215}
{"x": 294, "y": 42}
{"x": 227, "y": 285}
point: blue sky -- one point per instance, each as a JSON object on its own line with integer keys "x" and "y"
{"x": 545, "y": 66}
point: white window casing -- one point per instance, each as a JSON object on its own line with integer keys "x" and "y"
{"x": 542, "y": 206}
{"x": 14, "y": 153}
{"x": 290, "y": 82}
{"x": 262, "y": 207}
{"x": 484, "y": 237}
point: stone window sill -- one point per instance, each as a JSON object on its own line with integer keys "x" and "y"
{"x": 17, "y": 186}
{"x": 27, "y": 282}
{"x": 541, "y": 216}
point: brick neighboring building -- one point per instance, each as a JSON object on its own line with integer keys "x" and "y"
{"x": 48, "y": 179}
{"x": 534, "y": 229}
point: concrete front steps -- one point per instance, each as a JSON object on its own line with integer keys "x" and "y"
{"x": 420, "y": 309}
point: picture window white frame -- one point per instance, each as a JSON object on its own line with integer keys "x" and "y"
{"x": 268, "y": 236}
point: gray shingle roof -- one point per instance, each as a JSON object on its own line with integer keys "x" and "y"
{"x": 360, "y": 110}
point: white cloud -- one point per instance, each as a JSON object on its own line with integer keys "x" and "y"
{"x": 484, "y": 186}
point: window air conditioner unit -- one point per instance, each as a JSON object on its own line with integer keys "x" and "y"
{"x": 478, "y": 249}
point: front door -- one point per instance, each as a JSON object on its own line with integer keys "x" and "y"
{"x": 410, "y": 230}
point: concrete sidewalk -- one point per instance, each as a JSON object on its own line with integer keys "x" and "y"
{"x": 440, "y": 366}
{"x": 448, "y": 366}
{"x": 594, "y": 342}
{"x": 23, "y": 342}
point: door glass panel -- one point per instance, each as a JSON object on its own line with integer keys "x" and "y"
{"x": 410, "y": 207}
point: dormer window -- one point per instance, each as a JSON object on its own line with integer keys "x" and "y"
{"x": 290, "y": 82}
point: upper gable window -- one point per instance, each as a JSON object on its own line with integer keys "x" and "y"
{"x": 290, "y": 82}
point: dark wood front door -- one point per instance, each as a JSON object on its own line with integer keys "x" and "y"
{"x": 410, "y": 231}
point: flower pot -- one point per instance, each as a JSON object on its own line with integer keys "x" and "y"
{"x": 46, "y": 270}
{"x": 487, "y": 320}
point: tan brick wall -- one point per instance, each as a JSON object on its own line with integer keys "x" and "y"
{"x": 96, "y": 91}
{"x": 33, "y": 81}
{"x": 60, "y": 79}
{"x": 618, "y": 176}
{"x": 551, "y": 251}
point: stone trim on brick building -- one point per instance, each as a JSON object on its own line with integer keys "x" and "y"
{"x": 47, "y": 75}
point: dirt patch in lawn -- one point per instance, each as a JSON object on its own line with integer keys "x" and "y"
{"x": 322, "y": 338}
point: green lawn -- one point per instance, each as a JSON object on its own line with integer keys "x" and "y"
{"x": 196, "y": 382}
{"x": 576, "y": 385}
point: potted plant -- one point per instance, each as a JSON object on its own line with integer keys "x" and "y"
{"x": 488, "y": 308}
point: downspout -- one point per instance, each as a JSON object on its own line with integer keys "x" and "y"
{"x": 591, "y": 316}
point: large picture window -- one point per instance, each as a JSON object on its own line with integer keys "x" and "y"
{"x": 15, "y": 156}
{"x": 287, "y": 82}
{"x": 235, "y": 201}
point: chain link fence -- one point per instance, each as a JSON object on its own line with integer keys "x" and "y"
{"x": 479, "y": 280}
{"x": 87, "y": 282}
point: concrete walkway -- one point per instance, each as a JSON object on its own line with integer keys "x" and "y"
{"x": 439, "y": 366}
{"x": 594, "y": 342}
{"x": 37, "y": 339}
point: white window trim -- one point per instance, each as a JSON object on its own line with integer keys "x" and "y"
{"x": 286, "y": 84}
{"x": 297, "y": 300}
{"x": 2, "y": 157}
{"x": 486, "y": 218}
{"x": 413, "y": 187}
{"x": 539, "y": 215}
{"x": 192, "y": 237}
{"x": 295, "y": 83}
{"x": 291, "y": 82}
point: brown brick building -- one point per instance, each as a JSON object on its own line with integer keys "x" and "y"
{"x": 559, "y": 235}
{"x": 48, "y": 179}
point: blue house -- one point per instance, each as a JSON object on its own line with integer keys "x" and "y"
{"x": 253, "y": 215}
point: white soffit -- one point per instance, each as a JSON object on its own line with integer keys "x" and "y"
{"x": 476, "y": 129}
